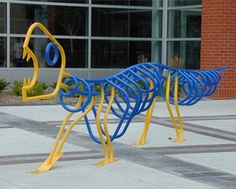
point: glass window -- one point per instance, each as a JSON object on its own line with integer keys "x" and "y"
{"x": 129, "y": 2}
{"x": 61, "y": 1}
{"x": 124, "y": 22}
{"x": 3, "y": 18}
{"x": 75, "y": 51}
{"x": 187, "y": 51}
{"x": 184, "y": 23}
{"x": 16, "y": 50}
{"x": 184, "y": 2}
{"x": 59, "y": 20}
{"x": 3, "y": 52}
{"x": 67, "y": 1}
{"x": 119, "y": 54}
{"x": 156, "y": 51}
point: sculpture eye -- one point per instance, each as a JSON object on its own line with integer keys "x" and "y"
{"x": 49, "y": 61}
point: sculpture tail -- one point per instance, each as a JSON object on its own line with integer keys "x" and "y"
{"x": 223, "y": 68}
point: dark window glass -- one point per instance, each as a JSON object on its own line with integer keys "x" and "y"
{"x": 124, "y": 22}
{"x": 187, "y": 51}
{"x": 184, "y": 23}
{"x": 68, "y": 1}
{"x": 119, "y": 54}
{"x": 184, "y": 2}
{"x": 59, "y": 20}
{"x": 75, "y": 51}
{"x": 129, "y": 2}
{"x": 62, "y": 1}
{"x": 16, "y": 52}
{"x": 3, "y": 51}
{"x": 3, "y": 18}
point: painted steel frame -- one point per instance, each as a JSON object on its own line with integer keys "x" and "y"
{"x": 142, "y": 83}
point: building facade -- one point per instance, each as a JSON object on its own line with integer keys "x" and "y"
{"x": 102, "y": 37}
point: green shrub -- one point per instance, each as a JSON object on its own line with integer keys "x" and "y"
{"x": 44, "y": 85}
{"x": 16, "y": 88}
{"x": 97, "y": 88}
{"x": 3, "y": 84}
{"x": 176, "y": 62}
{"x": 53, "y": 85}
{"x": 172, "y": 92}
{"x": 141, "y": 85}
{"x": 38, "y": 89}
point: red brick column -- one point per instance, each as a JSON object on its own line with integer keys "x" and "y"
{"x": 218, "y": 42}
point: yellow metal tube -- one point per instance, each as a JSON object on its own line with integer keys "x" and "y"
{"x": 111, "y": 158}
{"x": 149, "y": 120}
{"x": 169, "y": 108}
{"x": 140, "y": 140}
{"x": 143, "y": 136}
{"x": 75, "y": 122}
{"x": 29, "y": 53}
{"x": 99, "y": 127}
{"x": 50, "y": 161}
{"x": 181, "y": 139}
{"x": 48, "y": 164}
{"x": 63, "y": 126}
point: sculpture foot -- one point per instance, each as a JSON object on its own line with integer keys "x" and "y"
{"x": 178, "y": 140}
{"x": 140, "y": 143}
{"x": 106, "y": 161}
{"x": 47, "y": 164}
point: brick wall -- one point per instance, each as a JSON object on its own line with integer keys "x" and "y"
{"x": 218, "y": 42}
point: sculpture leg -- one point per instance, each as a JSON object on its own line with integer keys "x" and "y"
{"x": 169, "y": 108}
{"x": 109, "y": 158}
{"x": 143, "y": 136}
{"x": 60, "y": 140}
{"x": 180, "y": 122}
{"x": 105, "y": 150}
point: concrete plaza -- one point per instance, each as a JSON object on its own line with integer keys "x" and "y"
{"x": 206, "y": 160}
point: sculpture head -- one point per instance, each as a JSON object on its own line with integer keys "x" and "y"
{"x": 29, "y": 84}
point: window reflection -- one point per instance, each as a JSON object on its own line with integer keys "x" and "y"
{"x": 119, "y": 54}
{"x": 69, "y": 21}
{"x": 3, "y": 18}
{"x": 3, "y": 52}
{"x": 59, "y": 20}
{"x": 74, "y": 49}
{"x": 67, "y": 1}
{"x": 184, "y": 2}
{"x": 184, "y": 23}
{"x": 76, "y": 52}
{"x": 188, "y": 51}
{"x": 124, "y": 22}
{"x": 129, "y": 2}
{"x": 61, "y": 1}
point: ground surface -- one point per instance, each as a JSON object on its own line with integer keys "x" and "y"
{"x": 207, "y": 160}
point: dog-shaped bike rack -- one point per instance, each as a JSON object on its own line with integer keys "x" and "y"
{"x": 126, "y": 94}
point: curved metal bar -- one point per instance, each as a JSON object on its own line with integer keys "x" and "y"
{"x": 124, "y": 96}
{"x": 74, "y": 91}
{"x": 95, "y": 139}
{"x": 193, "y": 84}
{"x": 47, "y": 54}
{"x": 155, "y": 81}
